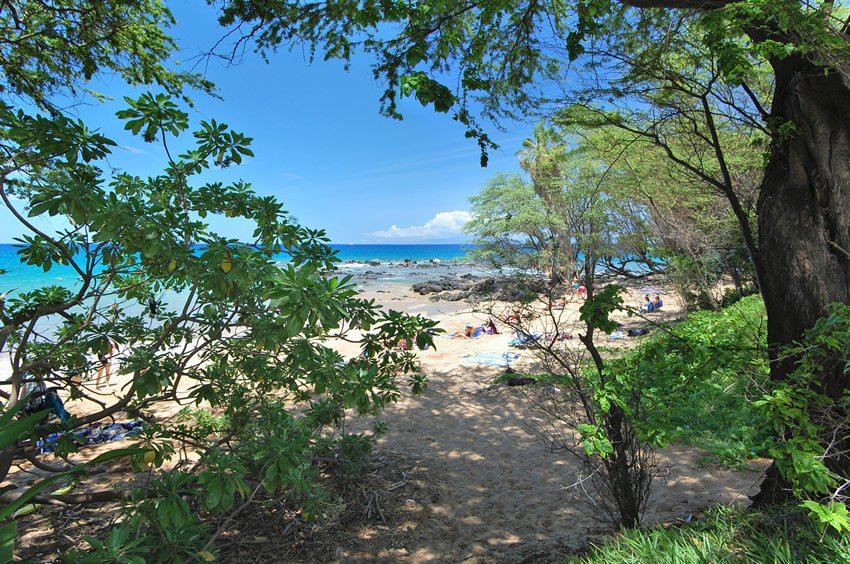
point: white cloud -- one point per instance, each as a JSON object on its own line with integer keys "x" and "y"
{"x": 133, "y": 150}
{"x": 441, "y": 226}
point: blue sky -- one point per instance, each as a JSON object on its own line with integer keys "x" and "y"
{"x": 321, "y": 146}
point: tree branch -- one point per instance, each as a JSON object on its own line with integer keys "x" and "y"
{"x": 678, "y": 4}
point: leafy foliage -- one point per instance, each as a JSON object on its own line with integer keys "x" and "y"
{"x": 810, "y": 423}
{"x": 698, "y": 379}
{"x": 240, "y": 334}
{"x": 510, "y": 225}
{"x": 781, "y": 535}
{"x": 572, "y": 218}
{"x": 48, "y": 48}
{"x": 497, "y": 58}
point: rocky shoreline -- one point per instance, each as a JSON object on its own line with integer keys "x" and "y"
{"x": 440, "y": 281}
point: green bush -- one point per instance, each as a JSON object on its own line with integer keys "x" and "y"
{"x": 809, "y": 422}
{"x": 696, "y": 377}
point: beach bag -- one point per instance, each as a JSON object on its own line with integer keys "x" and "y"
{"x": 35, "y": 396}
{"x": 38, "y": 398}
{"x": 637, "y": 332}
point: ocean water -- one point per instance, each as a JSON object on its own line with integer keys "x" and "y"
{"x": 400, "y": 253}
{"x": 19, "y": 277}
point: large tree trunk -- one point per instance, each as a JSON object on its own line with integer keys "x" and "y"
{"x": 804, "y": 209}
{"x": 804, "y": 215}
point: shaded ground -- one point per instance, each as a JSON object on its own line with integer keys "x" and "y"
{"x": 459, "y": 477}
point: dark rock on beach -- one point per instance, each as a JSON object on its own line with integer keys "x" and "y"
{"x": 370, "y": 275}
{"x": 434, "y": 286}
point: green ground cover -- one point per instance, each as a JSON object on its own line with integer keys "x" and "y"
{"x": 782, "y": 535}
{"x": 698, "y": 379}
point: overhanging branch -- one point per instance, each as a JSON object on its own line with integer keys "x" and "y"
{"x": 678, "y": 4}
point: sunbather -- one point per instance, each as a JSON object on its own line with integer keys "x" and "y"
{"x": 468, "y": 332}
{"x": 657, "y": 303}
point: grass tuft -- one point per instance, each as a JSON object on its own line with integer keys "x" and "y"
{"x": 778, "y": 535}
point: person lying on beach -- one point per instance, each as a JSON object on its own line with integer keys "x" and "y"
{"x": 468, "y": 332}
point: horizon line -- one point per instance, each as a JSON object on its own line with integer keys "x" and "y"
{"x": 15, "y": 243}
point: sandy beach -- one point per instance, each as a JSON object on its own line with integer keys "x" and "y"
{"x": 469, "y": 479}
{"x": 486, "y": 489}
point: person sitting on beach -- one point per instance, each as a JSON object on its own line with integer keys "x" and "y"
{"x": 37, "y": 397}
{"x": 491, "y": 327}
{"x": 657, "y": 303}
{"x": 647, "y": 307}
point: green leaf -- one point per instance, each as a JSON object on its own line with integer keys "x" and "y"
{"x": 10, "y": 432}
{"x": 8, "y": 535}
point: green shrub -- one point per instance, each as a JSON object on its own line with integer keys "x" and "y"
{"x": 696, "y": 378}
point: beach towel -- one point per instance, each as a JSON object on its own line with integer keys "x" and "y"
{"x": 523, "y": 339}
{"x": 492, "y": 358}
{"x": 95, "y": 434}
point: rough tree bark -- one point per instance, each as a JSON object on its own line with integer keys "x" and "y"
{"x": 804, "y": 207}
{"x": 803, "y": 257}
{"x": 804, "y": 219}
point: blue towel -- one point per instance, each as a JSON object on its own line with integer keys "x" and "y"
{"x": 95, "y": 434}
{"x": 492, "y": 358}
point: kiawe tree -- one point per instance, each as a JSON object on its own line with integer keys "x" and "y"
{"x": 492, "y": 59}
{"x": 690, "y": 223}
{"x": 510, "y": 225}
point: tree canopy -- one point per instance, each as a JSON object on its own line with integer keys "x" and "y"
{"x": 222, "y": 344}
{"x": 663, "y": 70}
{"x": 54, "y": 47}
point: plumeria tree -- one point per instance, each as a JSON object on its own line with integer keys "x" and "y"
{"x": 222, "y": 348}
{"x": 243, "y": 337}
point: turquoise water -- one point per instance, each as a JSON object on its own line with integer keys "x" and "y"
{"x": 20, "y": 277}
{"x": 398, "y": 253}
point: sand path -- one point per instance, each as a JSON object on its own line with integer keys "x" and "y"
{"x": 491, "y": 491}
